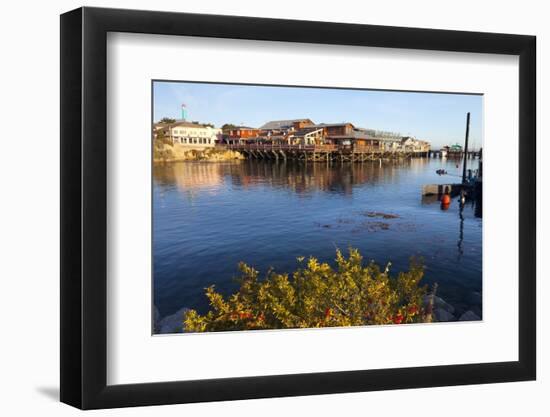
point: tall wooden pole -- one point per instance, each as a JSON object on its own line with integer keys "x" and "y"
{"x": 466, "y": 148}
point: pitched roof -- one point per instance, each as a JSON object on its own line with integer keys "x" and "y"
{"x": 334, "y": 124}
{"x": 281, "y": 124}
{"x": 179, "y": 123}
{"x": 306, "y": 130}
{"x": 355, "y": 134}
{"x": 186, "y": 124}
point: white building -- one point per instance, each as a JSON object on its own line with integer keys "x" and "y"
{"x": 404, "y": 144}
{"x": 414, "y": 145}
{"x": 193, "y": 135}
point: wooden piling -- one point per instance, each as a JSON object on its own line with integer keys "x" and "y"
{"x": 466, "y": 148}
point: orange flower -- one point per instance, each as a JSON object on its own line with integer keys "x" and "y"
{"x": 413, "y": 310}
{"x": 398, "y": 319}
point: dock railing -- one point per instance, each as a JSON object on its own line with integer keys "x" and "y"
{"x": 300, "y": 147}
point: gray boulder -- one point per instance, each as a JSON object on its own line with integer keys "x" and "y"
{"x": 156, "y": 319}
{"x": 156, "y": 314}
{"x": 172, "y": 323}
{"x": 442, "y": 315}
{"x": 477, "y": 311}
{"x": 439, "y": 303}
{"x": 474, "y": 298}
{"x": 469, "y": 316}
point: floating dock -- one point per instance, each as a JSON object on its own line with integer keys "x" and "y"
{"x": 440, "y": 189}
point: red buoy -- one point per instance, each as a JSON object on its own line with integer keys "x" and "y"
{"x": 446, "y": 199}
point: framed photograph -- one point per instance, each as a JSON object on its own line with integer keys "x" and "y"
{"x": 256, "y": 208}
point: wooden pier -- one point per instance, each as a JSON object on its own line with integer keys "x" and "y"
{"x": 451, "y": 155}
{"x": 320, "y": 153}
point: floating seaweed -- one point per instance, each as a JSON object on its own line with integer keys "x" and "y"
{"x": 380, "y": 214}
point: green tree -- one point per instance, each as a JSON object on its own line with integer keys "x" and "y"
{"x": 228, "y": 126}
{"x": 317, "y": 295}
{"x": 167, "y": 120}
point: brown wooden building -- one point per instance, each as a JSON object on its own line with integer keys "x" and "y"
{"x": 242, "y": 132}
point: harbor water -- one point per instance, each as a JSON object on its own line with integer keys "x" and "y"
{"x": 209, "y": 216}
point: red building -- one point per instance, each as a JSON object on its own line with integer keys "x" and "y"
{"x": 242, "y": 132}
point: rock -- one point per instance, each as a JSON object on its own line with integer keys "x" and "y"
{"x": 469, "y": 316}
{"x": 474, "y": 298}
{"x": 156, "y": 314}
{"x": 172, "y": 323}
{"x": 156, "y": 319}
{"x": 442, "y": 315}
{"x": 460, "y": 308}
{"x": 477, "y": 311}
{"x": 439, "y": 303}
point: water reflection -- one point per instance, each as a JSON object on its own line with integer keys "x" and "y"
{"x": 188, "y": 176}
{"x": 208, "y": 216}
{"x": 461, "y": 231}
{"x": 300, "y": 178}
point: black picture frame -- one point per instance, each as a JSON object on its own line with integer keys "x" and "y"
{"x": 84, "y": 207}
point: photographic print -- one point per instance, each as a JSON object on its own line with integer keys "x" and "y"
{"x": 288, "y": 207}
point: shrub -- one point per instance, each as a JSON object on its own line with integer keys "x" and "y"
{"x": 316, "y": 295}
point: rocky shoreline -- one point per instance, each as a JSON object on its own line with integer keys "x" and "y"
{"x": 445, "y": 312}
{"x": 442, "y": 312}
{"x": 179, "y": 153}
{"x": 172, "y": 323}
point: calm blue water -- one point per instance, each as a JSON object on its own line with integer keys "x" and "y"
{"x": 209, "y": 216}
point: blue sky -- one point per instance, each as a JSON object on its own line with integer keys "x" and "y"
{"x": 438, "y": 118}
